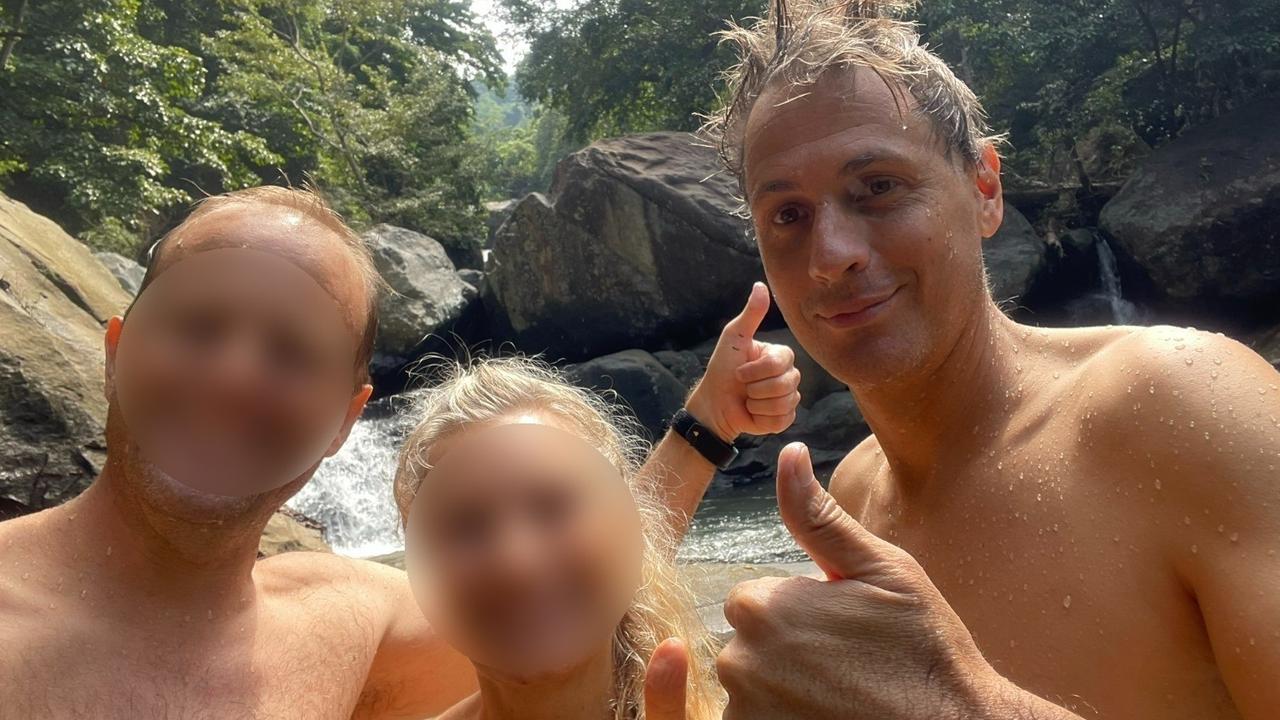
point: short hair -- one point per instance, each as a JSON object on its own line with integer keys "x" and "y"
{"x": 801, "y": 40}
{"x": 308, "y": 201}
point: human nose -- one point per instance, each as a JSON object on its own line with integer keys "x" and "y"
{"x": 839, "y": 243}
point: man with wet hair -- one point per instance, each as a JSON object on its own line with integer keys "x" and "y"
{"x": 241, "y": 366}
{"x": 1045, "y": 523}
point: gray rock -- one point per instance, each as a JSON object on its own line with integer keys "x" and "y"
{"x": 128, "y": 272}
{"x": 473, "y": 278}
{"x": 639, "y": 381}
{"x": 1199, "y": 215}
{"x": 54, "y": 298}
{"x": 424, "y": 292}
{"x": 635, "y": 245}
{"x": 497, "y": 213}
{"x": 684, "y": 364}
{"x": 1015, "y": 257}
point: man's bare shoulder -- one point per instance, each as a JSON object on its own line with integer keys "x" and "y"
{"x": 1178, "y": 378}
{"x": 855, "y": 476}
{"x": 295, "y": 573}
{"x": 1194, "y": 413}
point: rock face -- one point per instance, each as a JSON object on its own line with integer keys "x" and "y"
{"x": 424, "y": 293}
{"x": 1199, "y": 215}
{"x": 54, "y": 298}
{"x": 286, "y": 532}
{"x": 635, "y": 245}
{"x": 1015, "y": 257}
{"x": 641, "y": 382}
{"x": 127, "y": 272}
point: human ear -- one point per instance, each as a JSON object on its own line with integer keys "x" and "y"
{"x": 990, "y": 190}
{"x": 354, "y": 410}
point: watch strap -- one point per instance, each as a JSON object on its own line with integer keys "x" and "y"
{"x": 707, "y": 443}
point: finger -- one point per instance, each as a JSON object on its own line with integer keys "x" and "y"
{"x": 770, "y": 425}
{"x": 746, "y": 324}
{"x": 666, "y": 682}
{"x": 770, "y": 361}
{"x": 774, "y": 407}
{"x": 776, "y": 386}
{"x": 839, "y": 545}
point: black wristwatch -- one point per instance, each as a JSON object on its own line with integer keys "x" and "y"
{"x": 707, "y": 443}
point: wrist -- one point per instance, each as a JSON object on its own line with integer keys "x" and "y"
{"x": 703, "y": 410}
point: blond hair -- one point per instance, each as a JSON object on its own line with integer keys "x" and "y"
{"x": 308, "y": 201}
{"x": 488, "y": 389}
{"x": 801, "y": 40}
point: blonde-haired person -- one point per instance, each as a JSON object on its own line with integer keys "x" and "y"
{"x": 619, "y": 605}
{"x": 540, "y": 550}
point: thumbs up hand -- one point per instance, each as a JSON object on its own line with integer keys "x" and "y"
{"x": 750, "y": 387}
{"x": 666, "y": 682}
{"x": 874, "y": 641}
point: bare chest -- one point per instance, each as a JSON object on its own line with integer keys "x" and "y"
{"x": 66, "y": 664}
{"x": 1058, "y": 566}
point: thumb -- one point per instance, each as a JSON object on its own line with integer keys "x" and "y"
{"x": 840, "y": 546}
{"x": 666, "y": 681}
{"x": 746, "y": 324}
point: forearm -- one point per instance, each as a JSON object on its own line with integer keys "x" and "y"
{"x": 1006, "y": 701}
{"x": 681, "y": 476}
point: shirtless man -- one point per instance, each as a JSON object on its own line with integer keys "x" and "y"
{"x": 1099, "y": 507}
{"x": 245, "y": 356}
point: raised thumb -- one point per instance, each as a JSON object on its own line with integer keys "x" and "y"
{"x": 840, "y": 546}
{"x": 666, "y": 682}
{"x": 745, "y": 325}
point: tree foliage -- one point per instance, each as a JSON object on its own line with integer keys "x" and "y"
{"x": 621, "y": 66}
{"x": 1054, "y": 73}
{"x": 117, "y": 113}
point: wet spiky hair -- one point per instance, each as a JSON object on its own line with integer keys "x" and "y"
{"x": 801, "y": 40}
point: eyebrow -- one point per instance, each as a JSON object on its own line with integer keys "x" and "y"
{"x": 852, "y": 167}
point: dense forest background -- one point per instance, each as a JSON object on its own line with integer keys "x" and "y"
{"x": 116, "y": 114}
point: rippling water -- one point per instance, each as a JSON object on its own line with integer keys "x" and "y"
{"x": 351, "y": 495}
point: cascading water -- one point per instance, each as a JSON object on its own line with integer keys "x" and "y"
{"x": 1123, "y": 312}
{"x": 351, "y": 496}
{"x": 351, "y": 492}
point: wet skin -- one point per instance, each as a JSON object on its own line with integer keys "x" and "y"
{"x": 1098, "y": 505}
{"x": 142, "y": 597}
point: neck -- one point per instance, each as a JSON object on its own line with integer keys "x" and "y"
{"x": 919, "y": 420}
{"x": 142, "y": 555}
{"x": 585, "y": 693}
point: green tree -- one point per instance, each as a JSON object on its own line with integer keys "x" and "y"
{"x": 95, "y": 122}
{"x": 622, "y": 66}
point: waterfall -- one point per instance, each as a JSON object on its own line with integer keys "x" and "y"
{"x": 1123, "y": 312}
{"x": 351, "y": 496}
{"x": 351, "y": 492}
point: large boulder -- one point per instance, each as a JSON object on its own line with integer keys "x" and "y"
{"x": 424, "y": 294}
{"x": 639, "y": 381}
{"x": 636, "y": 244}
{"x": 1015, "y": 257}
{"x": 54, "y": 298}
{"x": 127, "y": 272}
{"x": 1199, "y": 215}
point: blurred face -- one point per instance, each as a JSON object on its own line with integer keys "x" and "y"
{"x": 870, "y": 234}
{"x": 524, "y": 548}
{"x": 233, "y": 375}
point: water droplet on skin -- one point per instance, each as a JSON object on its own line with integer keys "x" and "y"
{"x": 1190, "y": 362}
{"x": 210, "y": 615}
{"x": 108, "y": 551}
{"x": 26, "y": 575}
{"x": 84, "y": 594}
{"x": 1194, "y": 550}
{"x": 1066, "y": 601}
{"x": 1235, "y": 537}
